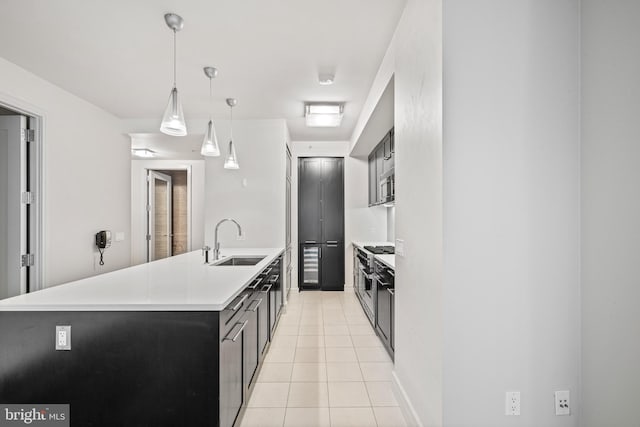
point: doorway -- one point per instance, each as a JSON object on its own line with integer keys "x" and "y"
{"x": 20, "y": 203}
{"x": 167, "y": 214}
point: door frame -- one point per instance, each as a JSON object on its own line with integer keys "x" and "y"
{"x": 139, "y": 203}
{"x": 153, "y": 174}
{"x": 37, "y": 210}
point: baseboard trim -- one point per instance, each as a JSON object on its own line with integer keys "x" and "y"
{"x": 410, "y": 414}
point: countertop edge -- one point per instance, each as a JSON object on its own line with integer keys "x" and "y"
{"x": 385, "y": 262}
{"x": 140, "y": 307}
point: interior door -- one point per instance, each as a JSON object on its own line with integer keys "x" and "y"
{"x": 14, "y": 219}
{"x": 160, "y": 218}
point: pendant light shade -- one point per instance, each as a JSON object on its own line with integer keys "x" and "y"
{"x": 173, "y": 119}
{"x": 231, "y": 162}
{"x": 210, "y": 143}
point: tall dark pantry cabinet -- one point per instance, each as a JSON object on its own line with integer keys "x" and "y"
{"x": 321, "y": 223}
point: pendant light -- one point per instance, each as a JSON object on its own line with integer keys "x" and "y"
{"x": 173, "y": 119}
{"x": 210, "y": 144}
{"x": 232, "y": 160}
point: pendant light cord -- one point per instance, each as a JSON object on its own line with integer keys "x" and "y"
{"x": 210, "y": 99}
{"x": 231, "y": 122}
{"x": 175, "y": 48}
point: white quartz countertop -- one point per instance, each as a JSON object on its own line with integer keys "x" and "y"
{"x": 179, "y": 283}
{"x": 388, "y": 260}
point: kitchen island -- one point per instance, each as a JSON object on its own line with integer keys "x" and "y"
{"x": 172, "y": 342}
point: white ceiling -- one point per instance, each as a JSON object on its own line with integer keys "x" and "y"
{"x": 117, "y": 54}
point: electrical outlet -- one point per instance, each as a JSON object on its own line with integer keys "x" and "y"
{"x": 63, "y": 337}
{"x": 563, "y": 403}
{"x": 512, "y": 403}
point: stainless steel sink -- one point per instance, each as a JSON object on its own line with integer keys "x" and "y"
{"x": 237, "y": 260}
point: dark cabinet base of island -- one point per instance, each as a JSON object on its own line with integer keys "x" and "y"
{"x": 142, "y": 368}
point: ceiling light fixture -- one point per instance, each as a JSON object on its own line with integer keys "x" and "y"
{"x": 210, "y": 144}
{"x": 143, "y": 152}
{"x": 323, "y": 114}
{"x": 232, "y": 160}
{"x": 173, "y": 119}
{"x": 326, "y": 79}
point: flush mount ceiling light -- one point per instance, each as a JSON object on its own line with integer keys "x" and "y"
{"x": 173, "y": 119}
{"x": 323, "y": 115}
{"x": 326, "y": 79}
{"x": 231, "y": 161}
{"x": 210, "y": 144}
{"x": 143, "y": 152}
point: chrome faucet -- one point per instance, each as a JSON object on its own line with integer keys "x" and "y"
{"x": 216, "y": 244}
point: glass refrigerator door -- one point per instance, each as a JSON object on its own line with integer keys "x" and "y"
{"x": 311, "y": 266}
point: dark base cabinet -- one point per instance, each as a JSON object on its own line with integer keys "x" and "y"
{"x": 385, "y": 301}
{"x": 140, "y": 368}
{"x": 332, "y": 272}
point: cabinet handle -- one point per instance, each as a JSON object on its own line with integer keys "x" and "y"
{"x": 385, "y": 284}
{"x": 309, "y": 242}
{"x": 259, "y": 301}
{"x": 239, "y": 304}
{"x": 332, "y": 242}
{"x": 274, "y": 279}
{"x": 255, "y": 284}
{"x": 266, "y": 288}
{"x": 391, "y": 291}
{"x": 391, "y": 272}
{"x": 320, "y": 252}
{"x": 235, "y": 337}
{"x": 266, "y": 272}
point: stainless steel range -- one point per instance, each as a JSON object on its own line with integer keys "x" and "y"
{"x": 364, "y": 279}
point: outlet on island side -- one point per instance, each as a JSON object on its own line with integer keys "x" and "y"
{"x": 512, "y": 403}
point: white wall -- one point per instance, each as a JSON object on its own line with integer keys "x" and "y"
{"x": 391, "y": 224}
{"x": 511, "y": 210}
{"x": 86, "y": 175}
{"x": 418, "y": 211}
{"x": 610, "y": 212}
{"x": 139, "y": 170}
{"x": 259, "y": 206}
{"x": 361, "y": 222}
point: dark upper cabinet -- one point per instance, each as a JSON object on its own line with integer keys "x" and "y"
{"x": 373, "y": 180}
{"x": 381, "y": 162}
{"x": 379, "y": 166}
{"x": 309, "y": 224}
{"x": 332, "y": 201}
{"x": 332, "y": 261}
{"x": 387, "y": 151}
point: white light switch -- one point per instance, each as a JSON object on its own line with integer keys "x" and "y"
{"x": 119, "y": 236}
{"x": 63, "y": 337}
{"x": 400, "y": 247}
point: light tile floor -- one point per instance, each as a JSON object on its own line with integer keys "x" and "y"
{"x": 325, "y": 367}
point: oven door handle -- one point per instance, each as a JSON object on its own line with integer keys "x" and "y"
{"x": 364, "y": 273}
